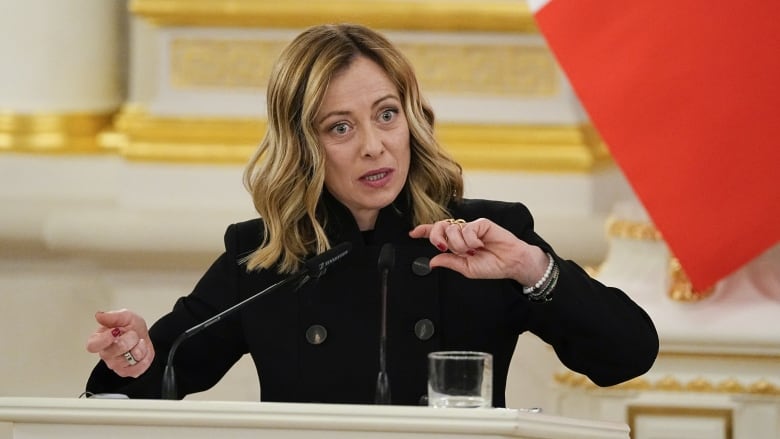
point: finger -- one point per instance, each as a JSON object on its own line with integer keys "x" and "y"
{"x": 455, "y": 241}
{"x": 115, "y": 319}
{"x": 472, "y": 233}
{"x": 143, "y": 355}
{"x": 100, "y": 340}
{"x": 421, "y": 231}
{"x": 434, "y": 233}
{"x": 136, "y": 354}
{"x": 120, "y": 345}
{"x": 450, "y": 261}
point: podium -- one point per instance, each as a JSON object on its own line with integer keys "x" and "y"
{"x": 34, "y": 418}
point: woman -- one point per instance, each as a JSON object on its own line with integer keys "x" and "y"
{"x": 350, "y": 155}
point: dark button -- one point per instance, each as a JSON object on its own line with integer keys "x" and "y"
{"x": 421, "y": 266}
{"x": 316, "y": 334}
{"x": 423, "y": 329}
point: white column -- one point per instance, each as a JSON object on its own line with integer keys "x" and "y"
{"x": 61, "y": 56}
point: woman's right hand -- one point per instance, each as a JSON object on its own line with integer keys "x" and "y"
{"x": 122, "y": 341}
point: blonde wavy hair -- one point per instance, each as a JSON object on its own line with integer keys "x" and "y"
{"x": 287, "y": 172}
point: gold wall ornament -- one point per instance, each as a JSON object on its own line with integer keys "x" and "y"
{"x": 138, "y": 135}
{"x": 222, "y": 63}
{"x": 52, "y": 133}
{"x": 632, "y": 230}
{"x": 670, "y": 383}
{"x": 436, "y": 15}
{"x": 730, "y": 385}
{"x": 763, "y": 387}
{"x": 724, "y": 415}
{"x": 464, "y": 69}
{"x": 478, "y": 69}
{"x": 680, "y": 287}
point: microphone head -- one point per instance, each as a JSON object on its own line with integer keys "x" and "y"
{"x": 317, "y": 265}
{"x": 386, "y": 257}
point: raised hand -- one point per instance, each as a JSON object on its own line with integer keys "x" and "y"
{"x": 481, "y": 249}
{"x": 122, "y": 342}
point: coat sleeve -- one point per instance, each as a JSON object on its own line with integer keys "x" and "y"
{"x": 201, "y": 360}
{"x": 595, "y": 329}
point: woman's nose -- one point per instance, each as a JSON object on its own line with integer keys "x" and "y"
{"x": 372, "y": 142}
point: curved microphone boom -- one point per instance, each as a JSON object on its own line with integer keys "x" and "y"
{"x": 313, "y": 268}
{"x": 386, "y": 262}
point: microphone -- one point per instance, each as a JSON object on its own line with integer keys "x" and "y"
{"x": 386, "y": 262}
{"x": 312, "y": 268}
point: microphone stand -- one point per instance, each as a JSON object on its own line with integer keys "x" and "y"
{"x": 386, "y": 262}
{"x": 169, "y": 376}
{"x": 314, "y": 268}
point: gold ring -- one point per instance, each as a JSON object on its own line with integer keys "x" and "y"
{"x": 130, "y": 358}
{"x": 459, "y": 222}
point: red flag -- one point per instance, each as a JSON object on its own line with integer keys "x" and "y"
{"x": 686, "y": 94}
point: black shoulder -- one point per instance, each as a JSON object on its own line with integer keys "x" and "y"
{"x": 243, "y": 238}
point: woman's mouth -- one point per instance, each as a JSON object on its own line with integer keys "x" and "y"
{"x": 377, "y": 178}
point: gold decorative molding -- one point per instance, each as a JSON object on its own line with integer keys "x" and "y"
{"x": 463, "y": 69}
{"x": 434, "y": 15}
{"x": 633, "y": 230}
{"x": 671, "y": 383}
{"x": 222, "y": 63}
{"x": 725, "y": 415}
{"x": 55, "y": 133}
{"x": 139, "y": 135}
{"x": 560, "y": 148}
{"x": 680, "y": 287}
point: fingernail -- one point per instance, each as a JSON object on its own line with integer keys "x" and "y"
{"x": 441, "y": 247}
{"x": 115, "y": 332}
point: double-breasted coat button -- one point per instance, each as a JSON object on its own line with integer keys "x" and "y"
{"x": 424, "y": 329}
{"x": 316, "y": 334}
{"x": 421, "y": 266}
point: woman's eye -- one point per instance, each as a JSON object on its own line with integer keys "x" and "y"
{"x": 340, "y": 128}
{"x": 388, "y": 115}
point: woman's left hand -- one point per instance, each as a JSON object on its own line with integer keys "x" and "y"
{"x": 481, "y": 249}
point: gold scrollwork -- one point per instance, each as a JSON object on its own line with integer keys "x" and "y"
{"x": 671, "y": 383}
{"x": 633, "y": 230}
{"x": 464, "y": 69}
{"x": 680, "y": 287}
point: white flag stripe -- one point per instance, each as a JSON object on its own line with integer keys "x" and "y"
{"x": 535, "y": 5}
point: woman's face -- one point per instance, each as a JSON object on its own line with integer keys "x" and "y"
{"x": 363, "y": 130}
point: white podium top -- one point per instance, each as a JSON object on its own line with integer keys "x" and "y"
{"x": 28, "y": 418}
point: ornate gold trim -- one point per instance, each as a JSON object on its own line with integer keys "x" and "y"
{"x": 137, "y": 135}
{"x": 59, "y": 133}
{"x": 670, "y": 383}
{"x": 633, "y": 230}
{"x": 520, "y": 70}
{"x": 680, "y": 287}
{"x": 726, "y": 415}
{"x": 434, "y": 15}
{"x": 141, "y": 136}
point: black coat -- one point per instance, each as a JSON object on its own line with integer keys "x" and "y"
{"x": 595, "y": 330}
